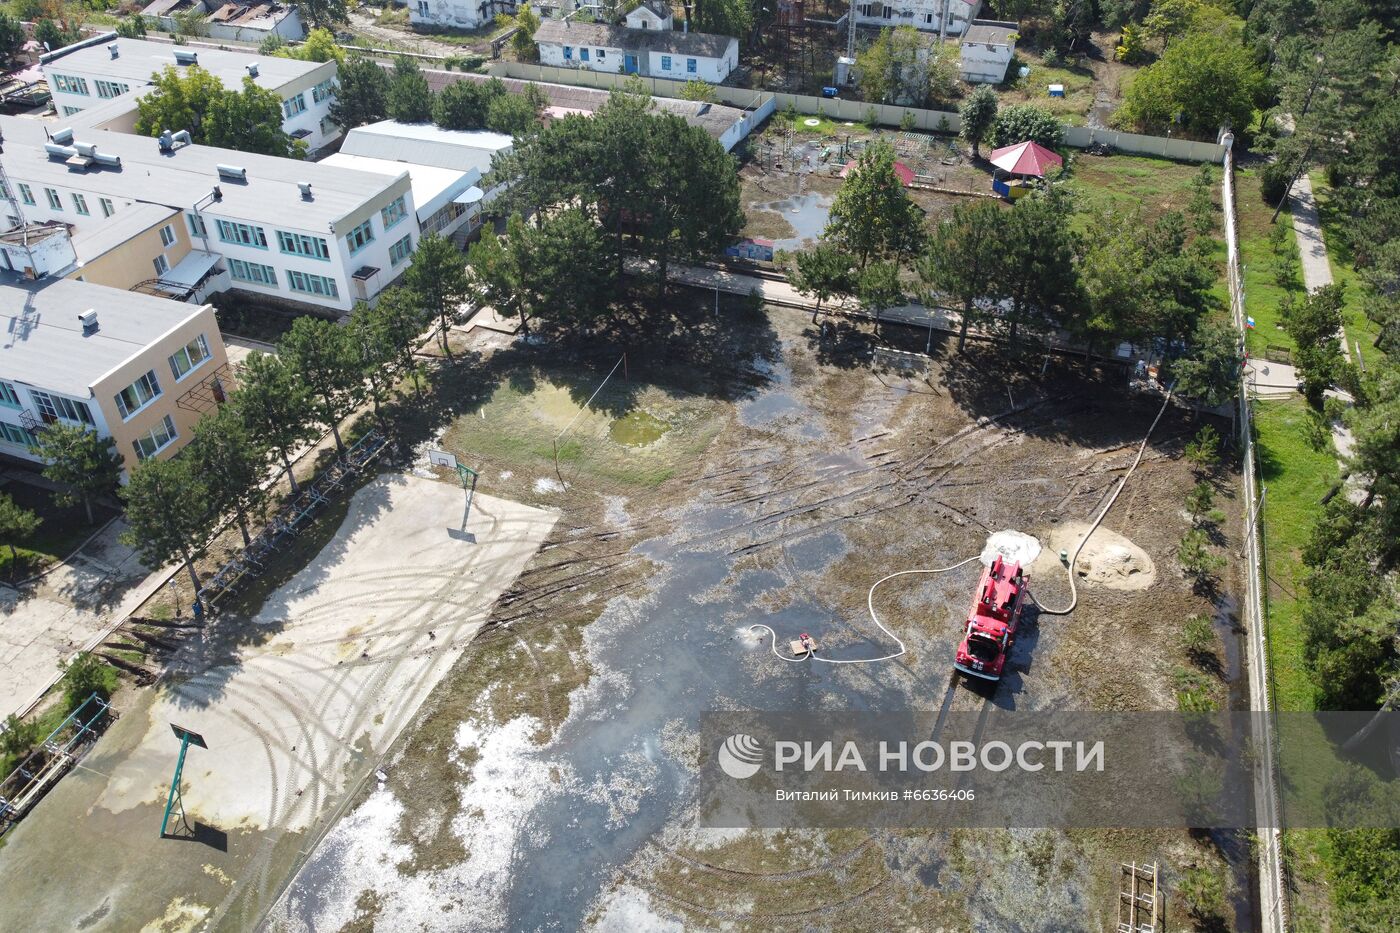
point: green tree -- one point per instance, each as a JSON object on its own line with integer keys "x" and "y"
{"x": 723, "y": 17}
{"x": 1022, "y": 122}
{"x": 81, "y": 460}
{"x": 822, "y": 271}
{"x": 410, "y": 99}
{"x": 326, "y": 13}
{"x": 1038, "y": 274}
{"x": 371, "y": 338}
{"x": 191, "y": 23}
{"x": 493, "y": 273}
{"x": 1203, "y": 450}
{"x": 86, "y": 674}
{"x": 231, "y": 462}
{"x": 523, "y": 42}
{"x": 1202, "y": 890}
{"x": 273, "y": 404}
{"x": 397, "y": 321}
{"x": 1198, "y": 637}
{"x": 1196, "y": 557}
{"x": 167, "y": 513}
{"x": 977, "y": 114}
{"x": 324, "y": 358}
{"x": 894, "y": 69}
{"x": 1203, "y": 81}
{"x": 1200, "y": 500}
{"x": 56, "y": 34}
{"x": 516, "y": 114}
{"x": 250, "y": 120}
{"x": 558, "y": 275}
{"x": 362, "y": 93}
{"x": 1210, "y": 371}
{"x": 17, "y": 524}
{"x": 132, "y": 26}
{"x": 464, "y": 104}
{"x": 963, "y": 258}
{"x": 179, "y": 101}
{"x": 12, "y": 37}
{"x": 697, "y": 90}
{"x": 438, "y": 277}
{"x": 320, "y": 46}
{"x": 872, "y": 217}
{"x": 878, "y": 287}
{"x": 1315, "y": 325}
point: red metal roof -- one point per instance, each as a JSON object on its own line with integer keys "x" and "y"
{"x": 1027, "y": 158}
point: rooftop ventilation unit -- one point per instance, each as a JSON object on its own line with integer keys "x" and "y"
{"x": 186, "y": 57}
{"x": 305, "y": 187}
{"x": 110, "y": 161}
{"x": 88, "y": 319}
{"x": 253, "y": 69}
{"x": 56, "y": 151}
{"x": 63, "y": 137}
{"x": 232, "y": 172}
{"x": 116, "y": 53}
{"x": 87, "y": 150}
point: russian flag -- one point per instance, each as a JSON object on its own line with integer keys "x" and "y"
{"x": 1249, "y": 322}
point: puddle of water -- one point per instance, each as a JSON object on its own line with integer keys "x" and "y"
{"x": 638, "y": 429}
{"x": 808, "y": 214}
{"x": 775, "y": 407}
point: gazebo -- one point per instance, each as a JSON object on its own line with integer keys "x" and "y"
{"x": 1022, "y": 161}
{"x": 1029, "y": 159}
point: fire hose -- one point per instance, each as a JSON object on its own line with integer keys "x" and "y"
{"x": 1142, "y": 448}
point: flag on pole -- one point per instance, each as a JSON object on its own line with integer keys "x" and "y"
{"x": 1249, "y": 322}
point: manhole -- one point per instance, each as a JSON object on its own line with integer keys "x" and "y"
{"x": 813, "y": 121}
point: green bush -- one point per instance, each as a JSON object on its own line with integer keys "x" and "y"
{"x": 82, "y": 677}
{"x": 1273, "y": 182}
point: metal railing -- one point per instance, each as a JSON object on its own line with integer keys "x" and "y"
{"x": 51, "y": 759}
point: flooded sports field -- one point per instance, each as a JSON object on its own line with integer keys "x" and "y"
{"x": 549, "y": 782}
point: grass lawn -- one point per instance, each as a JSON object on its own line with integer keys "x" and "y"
{"x": 1296, "y": 477}
{"x": 63, "y": 529}
{"x": 1124, "y": 182}
{"x": 1263, "y": 291}
{"x": 1360, "y": 328}
{"x": 1072, "y": 109}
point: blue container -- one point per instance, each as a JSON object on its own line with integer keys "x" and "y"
{"x": 830, "y": 91}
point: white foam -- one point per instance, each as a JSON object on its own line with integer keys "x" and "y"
{"x": 1013, "y": 546}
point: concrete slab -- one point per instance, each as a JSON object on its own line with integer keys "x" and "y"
{"x": 297, "y": 705}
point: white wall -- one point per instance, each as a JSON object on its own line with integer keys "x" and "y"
{"x": 984, "y": 64}
{"x": 612, "y": 61}
{"x": 922, "y": 14}
{"x": 462, "y": 14}
{"x": 713, "y": 70}
{"x": 644, "y": 18}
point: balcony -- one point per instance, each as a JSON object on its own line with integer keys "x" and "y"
{"x": 209, "y": 392}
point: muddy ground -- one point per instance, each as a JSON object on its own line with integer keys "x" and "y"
{"x": 768, "y": 470}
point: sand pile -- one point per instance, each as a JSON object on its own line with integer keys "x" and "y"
{"x": 1108, "y": 559}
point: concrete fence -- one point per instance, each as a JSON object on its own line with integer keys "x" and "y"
{"x": 851, "y": 111}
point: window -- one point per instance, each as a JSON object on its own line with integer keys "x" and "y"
{"x": 162, "y": 266}
{"x": 55, "y": 407}
{"x": 400, "y": 250}
{"x": 189, "y": 357}
{"x": 17, "y": 435}
{"x": 294, "y": 105}
{"x": 159, "y": 438}
{"x": 393, "y": 213}
{"x": 106, "y": 204}
{"x": 136, "y": 396}
{"x": 665, "y": 63}
{"x": 299, "y": 244}
{"x": 690, "y": 65}
{"x": 8, "y": 396}
{"x": 928, "y": 18}
{"x": 196, "y": 223}
{"x": 889, "y": 12}
{"x": 583, "y": 55}
{"x": 360, "y": 237}
{"x": 167, "y": 235}
{"x": 68, "y": 85}
{"x": 109, "y": 89}
{"x": 55, "y": 201}
{"x": 323, "y": 90}
{"x": 242, "y": 234}
{"x": 312, "y": 284}
{"x": 253, "y": 272}
{"x": 80, "y": 204}
{"x": 69, "y": 111}
{"x": 568, "y": 53}
{"x": 422, "y": 7}
{"x": 602, "y": 54}
{"x": 26, "y": 194}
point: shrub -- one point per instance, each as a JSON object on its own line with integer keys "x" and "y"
{"x": 1027, "y": 121}
{"x": 1273, "y": 182}
{"x": 1198, "y": 636}
{"x": 82, "y": 677}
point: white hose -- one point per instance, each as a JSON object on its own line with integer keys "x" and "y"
{"x": 870, "y": 604}
{"x": 1074, "y": 590}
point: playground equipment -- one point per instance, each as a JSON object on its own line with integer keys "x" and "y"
{"x": 51, "y": 759}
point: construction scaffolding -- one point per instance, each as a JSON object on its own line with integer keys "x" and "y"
{"x": 292, "y": 518}
{"x": 1138, "y": 899}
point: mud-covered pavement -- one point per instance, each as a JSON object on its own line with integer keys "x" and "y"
{"x": 548, "y": 782}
